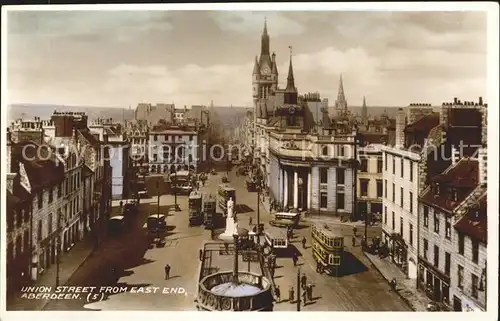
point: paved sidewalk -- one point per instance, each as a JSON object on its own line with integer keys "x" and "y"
{"x": 406, "y": 287}
{"x": 68, "y": 264}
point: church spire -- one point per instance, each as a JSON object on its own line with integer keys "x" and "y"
{"x": 290, "y": 83}
{"x": 364, "y": 109}
{"x": 341, "y": 102}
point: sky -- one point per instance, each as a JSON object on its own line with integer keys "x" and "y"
{"x": 121, "y": 58}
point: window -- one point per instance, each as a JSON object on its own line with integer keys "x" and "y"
{"x": 426, "y": 248}
{"x": 385, "y": 215}
{"x": 340, "y": 176}
{"x": 341, "y": 150}
{"x": 155, "y": 158}
{"x": 426, "y": 216}
{"x": 165, "y": 137}
{"x": 385, "y": 155}
{"x": 475, "y": 251}
{"x": 323, "y": 174}
{"x": 364, "y": 187}
{"x": 436, "y": 221}
{"x": 155, "y": 137}
{"x": 447, "y": 263}
{"x": 39, "y": 231}
{"x": 393, "y": 165}
{"x": 385, "y": 188}
{"x": 461, "y": 241}
{"x": 364, "y": 165}
{"x": 411, "y": 171}
{"x": 40, "y": 199}
{"x": 324, "y": 200}
{"x": 340, "y": 201}
{"x": 401, "y": 226}
{"x": 460, "y": 277}
{"x": 436, "y": 256}
{"x": 379, "y": 165}
{"x": 401, "y": 196}
{"x": 324, "y": 151}
{"x": 448, "y": 228}
{"x": 191, "y": 138}
{"x": 379, "y": 188}
{"x": 49, "y": 224}
{"x": 393, "y": 193}
{"x": 411, "y": 234}
{"x": 474, "y": 285}
{"x": 402, "y": 167}
{"x": 393, "y": 221}
{"x": 411, "y": 202}
{"x": 59, "y": 190}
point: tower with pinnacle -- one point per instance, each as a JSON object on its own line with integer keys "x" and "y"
{"x": 264, "y": 76}
{"x": 341, "y": 102}
{"x": 364, "y": 111}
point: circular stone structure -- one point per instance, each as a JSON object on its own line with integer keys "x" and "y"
{"x": 218, "y": 292}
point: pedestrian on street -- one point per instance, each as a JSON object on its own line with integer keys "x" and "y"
{"x": 294, "y": 259}
{"x": 393, "y": 284}
{"x": 250, "y": 221}
{"x": 121, "y": 204}
{"x": 304, "y": 242}
{"x": 309, "y": 291}
{"x": 303, "y": 281}
{"x": 167, "y": 272}
{"x": 277, "y": 291}
{"x": 304, "y": 297}
{"x": 354, "y": 241}
{"x": 291, "y": 294}
{"x": 201, "y": 255}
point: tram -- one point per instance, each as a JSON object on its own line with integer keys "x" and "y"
{"x": 327, "y": 248}
{"x": 224, "y": 194}
{"x": 275, "y": 238}
{"x": 285, "y": 219}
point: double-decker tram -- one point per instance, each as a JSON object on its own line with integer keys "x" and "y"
{"x": 327, "y": 248}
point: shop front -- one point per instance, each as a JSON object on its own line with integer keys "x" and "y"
{"x": 435, "y": 284}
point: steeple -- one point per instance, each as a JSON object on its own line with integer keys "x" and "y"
{"x": 274, "y": 69}
{"x": 341, "y": 102}
{"x": 364, "y": 110}
{"x": 290, "y": 96}
{"x": 290, "y": 81}
{"x": 256, "y": 68}
{"x": 340, "y": 94}
{"x": 265, "y": 41}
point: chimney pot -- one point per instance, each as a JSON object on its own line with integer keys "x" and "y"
{"x": 480, "y": 100}
{"x": 455, "y": 100}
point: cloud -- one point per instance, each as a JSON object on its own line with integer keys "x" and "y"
{"x": 189, "y": 84}
{"x": 252, "y": 22}
{"x": 87, "y": 25}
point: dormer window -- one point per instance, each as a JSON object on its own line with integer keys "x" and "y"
{"x": 436, "y": 189}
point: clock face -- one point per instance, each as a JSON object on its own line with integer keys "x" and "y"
{"x": 265, "y": 70}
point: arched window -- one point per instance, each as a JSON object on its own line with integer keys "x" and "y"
{"x": 324, "y": 151}
{"x": 165, "y": 168}
{"x": 153, "y": 169}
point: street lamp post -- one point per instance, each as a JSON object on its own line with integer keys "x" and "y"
{"x": 258, "y": 216}
{"x": 298, "y": 289}
{"x": 177, "y": 209}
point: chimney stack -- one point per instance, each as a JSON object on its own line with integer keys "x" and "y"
{"x": 455, "y": 100}
{"x": 400, "y": 126}
{"x": 480, "y": 101}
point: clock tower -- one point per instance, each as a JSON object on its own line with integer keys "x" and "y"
{"x": 264, "y": 76}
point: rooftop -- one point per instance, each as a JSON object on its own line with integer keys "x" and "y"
{"x": 475, "y": 222}
{"x": 463, "y": 176}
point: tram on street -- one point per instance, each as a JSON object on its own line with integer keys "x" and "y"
{"x": 224, "y": 194}
{"x": 327, "y": 248}
{"x": 195, "y": 208}
{"x": 285, "y": 219}
{"x": 275, "y": 238}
